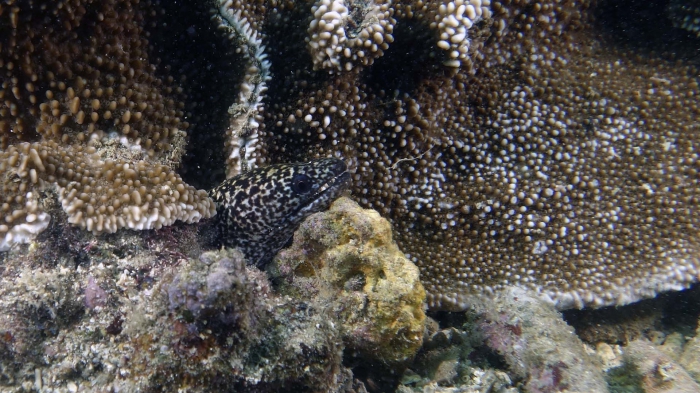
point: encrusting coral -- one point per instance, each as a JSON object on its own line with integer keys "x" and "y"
{"x": 549, "y": 156}
{"x": 75, "y": 76}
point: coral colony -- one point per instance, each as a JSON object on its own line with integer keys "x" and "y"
{"x": 511, "y": 145}
{"x": 526, "y": 150}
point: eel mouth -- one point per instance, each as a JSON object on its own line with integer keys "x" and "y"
{"x": 338, "y": 181}
{"x": 336, "y": 185}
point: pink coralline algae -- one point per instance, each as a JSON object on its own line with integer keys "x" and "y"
{"x": 95, "y": 296}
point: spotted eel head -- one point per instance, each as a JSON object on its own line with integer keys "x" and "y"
{"x": 259, "y": 210}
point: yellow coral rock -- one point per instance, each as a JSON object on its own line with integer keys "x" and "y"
{"x": 350, "y": 254}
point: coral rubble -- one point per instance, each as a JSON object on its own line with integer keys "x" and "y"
{"x": 657, "y": 372}
{"x": 208, "y": 324}
{"x": 153, "y": 311}
{"x": 536, "y": 344}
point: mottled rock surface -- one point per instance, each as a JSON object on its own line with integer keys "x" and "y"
{"x": 537, "y": 345}
{"x": 348, "y": 253}
{"x": 657, "y": 372}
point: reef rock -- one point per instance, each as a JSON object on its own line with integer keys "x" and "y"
{"x": 658, "y": 373}
{"x": 205, "y": 324}
{"x": 690, "y": 357}
{"x": 348, "y": 254}
{"x": 536, "y": 343}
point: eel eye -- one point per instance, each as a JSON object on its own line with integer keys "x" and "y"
{"x": 301, "y": 184}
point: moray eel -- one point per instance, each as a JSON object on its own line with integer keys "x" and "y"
{"x": 259, "y": 210}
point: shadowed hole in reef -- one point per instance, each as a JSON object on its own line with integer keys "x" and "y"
{"x": 375, "y": 376}
{"x": 287, "y": 49}
{"x": 479, "y": 354}
{"x": 666, "y": 313}
{"x": 191, "y": 46}
{"x": 410, "y": 59}
{"x": 644, "y": 26}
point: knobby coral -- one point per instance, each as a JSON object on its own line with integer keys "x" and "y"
{"x": 509, "y": 143}
{"x": 84, "y": 108}
{"x": 512, "y": 142}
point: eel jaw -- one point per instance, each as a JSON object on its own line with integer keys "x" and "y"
{"x": 325, "y": 195}
{"x": 338, "y": 183}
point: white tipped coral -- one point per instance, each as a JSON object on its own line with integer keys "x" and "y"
{"x": 28, "y": 223}
{"x": 111, "y": 195}
{"x": 345, "y": 33}
{"x": 100, "y": 196}
{"x": 452, "y": 21}
{"x": 242, "y": 134}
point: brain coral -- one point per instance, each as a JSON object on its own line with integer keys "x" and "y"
{"x": 529, "y": 148}
{"x": 86, "y": 109}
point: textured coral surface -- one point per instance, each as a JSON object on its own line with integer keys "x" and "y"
{"x": 558, "y": 154}
{"x": 544, "y": 144}
{"x": 87, "y": 112}
{"x": 153, "y": 311}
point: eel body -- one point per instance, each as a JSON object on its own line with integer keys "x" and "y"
{"x": 259, "y": 210}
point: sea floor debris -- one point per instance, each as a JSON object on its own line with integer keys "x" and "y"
{"x": 138, "y": 311}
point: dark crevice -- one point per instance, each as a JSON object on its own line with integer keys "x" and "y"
{"x": 412, "y": 58}
{"x": 646, "y": 27}
{"x": 190, "y": 45}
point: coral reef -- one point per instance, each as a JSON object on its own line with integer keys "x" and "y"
{"x": 528, "y": 154}
{"x": 205, "y": 324}
{"x": 615, "y": 325}
{"x": 357, "y": 32}
{"x": 652, "y": 319}
{"x": 553, "y": 158}
{"x": 446, "y": 361}
{"x": 347, "y": 256}
{"x": 536, "y": 343}
{"x": 657, "y": 372}
{"x": 480, "y": 381}
{"x": 100, "y": 196}
{"x": 152, "y": 311}
{"x": 86, "y": 110}
{"x": 497, "y": 133}
{"x": 648, "y": 346}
